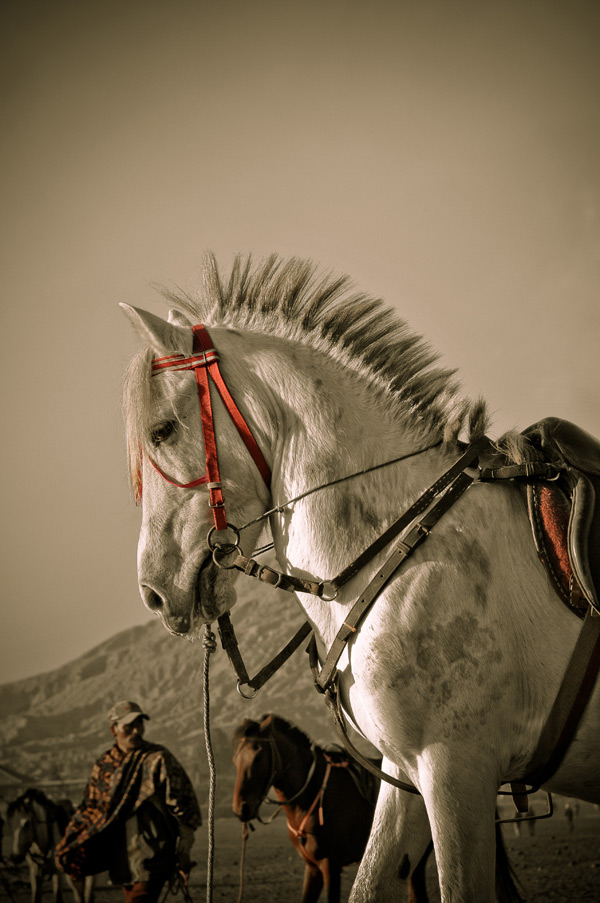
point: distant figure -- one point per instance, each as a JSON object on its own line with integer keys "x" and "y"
{"x": 531, "y": 820}
{"x": 517, "y": 824}
{"x": 138, "y": 814}
{"x": 569, "y": 816}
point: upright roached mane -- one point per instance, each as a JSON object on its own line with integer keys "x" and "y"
{"x": 292, "y": 300}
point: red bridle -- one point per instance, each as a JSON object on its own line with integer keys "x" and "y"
{"x": 204, "y": 361}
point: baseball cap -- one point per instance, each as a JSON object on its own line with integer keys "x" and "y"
{"x": 125, "y": 712}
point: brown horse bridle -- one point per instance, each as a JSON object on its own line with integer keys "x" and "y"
{"x": 277, "y": 768}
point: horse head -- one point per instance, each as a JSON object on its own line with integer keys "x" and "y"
{"x": 28, "y": 819}
{"x": 171, "y": 454}
{"x": 255, "y": 760}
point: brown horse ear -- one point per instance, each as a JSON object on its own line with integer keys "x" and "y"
{"x": 266, "y": 720}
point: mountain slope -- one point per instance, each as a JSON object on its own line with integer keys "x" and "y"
{"x": 53, "y": 725}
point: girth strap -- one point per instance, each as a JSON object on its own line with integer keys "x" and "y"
{"x": 570, "y": 704}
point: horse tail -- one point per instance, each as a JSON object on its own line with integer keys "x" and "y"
{"x": 507, "y": 889}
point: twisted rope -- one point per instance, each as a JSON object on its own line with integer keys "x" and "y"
{"x": 210, "y": 645}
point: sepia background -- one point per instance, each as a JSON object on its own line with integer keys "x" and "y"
{"x": 445, "y": 155}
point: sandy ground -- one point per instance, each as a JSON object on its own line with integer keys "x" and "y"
{"x": 554, "y": 866}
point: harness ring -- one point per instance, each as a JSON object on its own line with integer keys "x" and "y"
{"x": 245, "y": 695}
{"x": 327, "y": 597}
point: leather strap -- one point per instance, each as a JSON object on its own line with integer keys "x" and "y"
{"x": 570, "y": 703}
{"x": 203, "y": 342}
{"x": 276, "y": 579}
{"x": 328, "y": 588}
{"x": 402, "y": 550}
{"x": 204, "y": 361}
{"x": 332, "y": 699}
{"x": 422, "y": 503}
{"x": 541, "y": 470}
{"x": 230, "y": 645}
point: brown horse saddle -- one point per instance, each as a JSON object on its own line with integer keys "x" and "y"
{"x": 366, "y": 783}
{"x": 563, "y": 501}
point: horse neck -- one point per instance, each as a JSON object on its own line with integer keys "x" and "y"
{"x": 322, "y": 422}
{"x": 292, "y": 773}
{"x": 38, "y": 833}
{"x": 42, "y": 827}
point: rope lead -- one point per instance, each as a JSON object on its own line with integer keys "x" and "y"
{"x": 210, "y": 645}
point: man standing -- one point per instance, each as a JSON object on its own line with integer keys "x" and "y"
{"x": 138, "y": 814}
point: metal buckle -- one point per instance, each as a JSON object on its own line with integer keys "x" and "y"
{"x": 265, "y": 568}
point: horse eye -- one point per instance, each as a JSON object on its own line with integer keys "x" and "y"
{"x": 162, "y": 432}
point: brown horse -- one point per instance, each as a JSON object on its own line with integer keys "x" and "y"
{"x": 329, "y": 802}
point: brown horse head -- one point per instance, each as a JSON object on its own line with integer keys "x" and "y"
{"x": 254, "y": 760}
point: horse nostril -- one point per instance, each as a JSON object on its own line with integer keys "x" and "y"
{"x": 152, "y": 599}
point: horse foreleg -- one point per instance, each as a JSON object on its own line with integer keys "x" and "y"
{"x": 35, "y": 881}
{"x": 398, "y": 840}
{"x": 83, "y": 888}
{"x": 313, "y": 883}
{"x": 332, "y": 875}
{"x": 461, "y": 802}
{"x": 417, "y": 885}
{"x": 56, "y": 889}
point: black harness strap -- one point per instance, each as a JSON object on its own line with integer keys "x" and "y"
{"x": 455, "y": 477}
{"x": 570, "y": 703}
{"x": 402, "y": 550}
{"x": 328, "y": 588}
{"x": 230, "y": 645}
{"x": 422, "y": 503}
{"x": 332, "y": 699}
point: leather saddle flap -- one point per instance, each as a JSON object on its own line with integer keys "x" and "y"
{"x": 578, "y": 455}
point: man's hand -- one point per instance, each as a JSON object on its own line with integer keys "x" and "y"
{"x": 184, "y": 865}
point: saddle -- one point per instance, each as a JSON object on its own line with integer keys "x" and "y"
{"x": 366, "y": 783}
{"x": 563, "y": 500}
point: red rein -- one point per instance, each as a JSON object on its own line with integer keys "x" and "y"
{"x": 205, "y": 364}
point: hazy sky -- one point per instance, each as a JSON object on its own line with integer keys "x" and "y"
{"x": 445, "y": 155}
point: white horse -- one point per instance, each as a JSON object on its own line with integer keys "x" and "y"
{"x": 38, "y": 824}
{"x": 453, "y": 672}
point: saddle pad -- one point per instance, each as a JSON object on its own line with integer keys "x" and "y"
{"x": 549, "y": 512}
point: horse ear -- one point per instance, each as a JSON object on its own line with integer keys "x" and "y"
{"x": 163, "y": 337}
{"x": 266, "y": 721}
{"x": 177, "y": 318}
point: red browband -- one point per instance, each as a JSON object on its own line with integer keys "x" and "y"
{"x": 204, "y": 361}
